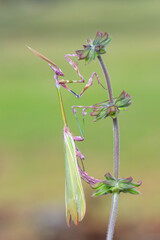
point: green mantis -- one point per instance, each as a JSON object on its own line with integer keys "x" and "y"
{"x": 74, "y": 194}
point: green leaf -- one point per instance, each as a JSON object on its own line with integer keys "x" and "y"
{"x": 132, "y": 191}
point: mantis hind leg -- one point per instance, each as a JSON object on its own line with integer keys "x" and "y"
{"x": 81, "y": 156}
{"x": 78, "y": 153}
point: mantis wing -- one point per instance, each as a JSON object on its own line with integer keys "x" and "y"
{"x": 74, "y": 195}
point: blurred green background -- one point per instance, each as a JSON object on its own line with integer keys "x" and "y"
{"x": 31, "y": 141}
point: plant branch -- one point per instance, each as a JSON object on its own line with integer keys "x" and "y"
{"x": 116, "y": 154}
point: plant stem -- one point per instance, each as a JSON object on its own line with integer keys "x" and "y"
{"x": 116, "y": 148}
{"x": 116, "y": 154}
{"x": 113, "y": 215}
{"x": 103, "y": 66}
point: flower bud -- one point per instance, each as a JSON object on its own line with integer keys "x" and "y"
{"x": 111, "y": 185}
{"x": 94, "y": 48}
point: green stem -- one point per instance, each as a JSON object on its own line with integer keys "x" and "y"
{"x": 116, "y": 154}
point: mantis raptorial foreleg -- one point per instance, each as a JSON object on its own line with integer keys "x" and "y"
{"x": 75, "y": 66}
{"x": 59, "y": 73}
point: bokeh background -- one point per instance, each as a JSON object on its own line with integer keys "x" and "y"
{"x": 31, "y": 144}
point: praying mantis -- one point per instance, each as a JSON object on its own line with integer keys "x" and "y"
{"x": 74, "y": 194}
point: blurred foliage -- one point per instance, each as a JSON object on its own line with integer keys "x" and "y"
{"x": 31, "y": 148}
